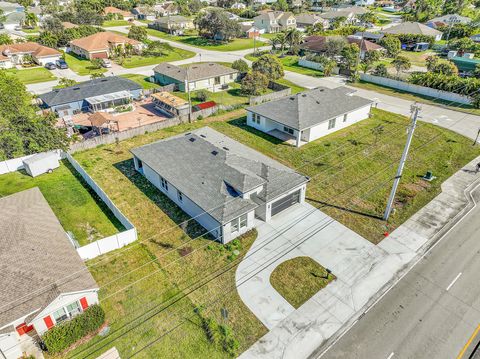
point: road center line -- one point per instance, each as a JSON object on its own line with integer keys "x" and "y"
{"x": 391, "y": 355}
{"x": 453, "y": 282}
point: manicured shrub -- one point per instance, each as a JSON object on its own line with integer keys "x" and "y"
{"x": 64, "y": 335}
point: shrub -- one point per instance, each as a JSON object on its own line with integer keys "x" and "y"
{"x": 64, "y": 335}
{"x": 201, "y": 95}
{"x": 254, "y": 83}
{"x": 269, "y": 66}
{"x": 380, "y": 70}
{"x": 240, "y": 65}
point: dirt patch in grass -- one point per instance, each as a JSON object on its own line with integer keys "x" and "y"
{"x": 298, "y": 279}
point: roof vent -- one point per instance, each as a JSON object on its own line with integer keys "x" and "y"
{"x": 203, "y": 136}
{"x": 191, "y": 139}
{"x": 321, "y": 90}
{"x": 226, "y": 148}
{"x": 304, "y": 95}
{"x": 292, "y": 98}
{"x": 76, "y": 88}
{"x": 103, "y": 80}
{"x": 214, "y": 152}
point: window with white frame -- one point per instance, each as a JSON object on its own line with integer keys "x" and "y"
{"x": 256, "y": 118}
{"x": 331, "y": 123}
{"x": 239, "y": 223}
{"x": 180, "y": 196}
{"x": 243, "y": 221}
{"x": 288, "y": 130}
{"x": 234, "y": 226}
{"x": 164, "y": 183}
{"x": 73, "y": 309}
{"x": 345, "y": 117}
{"x": 60, "y": 315}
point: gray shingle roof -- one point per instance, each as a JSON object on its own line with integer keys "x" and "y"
{"x": 409, "y": 27}
{"x": 35, "y": 254}
{"x": 195, "y": 71}
{"x": 309, "y": 108}
{"x": 201, "y": 164}
{"x": 96, "y": 87}
{"x": 174, "y": 19}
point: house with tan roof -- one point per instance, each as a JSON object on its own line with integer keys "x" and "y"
{"x": 118, "y": 13}
{"x": 413, "y": 28}
{"x": 101, "y": 45}
{"x": 274, "y": 21}
{"x": 12, "y": 55}
{"x": 37, "y": 288}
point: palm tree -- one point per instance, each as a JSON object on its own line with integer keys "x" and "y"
{"x": 279, "y": 40}
{"x": 401, "y": 63}
{"x": 30, "y": 19}
{"x": 294, "y": 38}
{"x": 128, "y": 49}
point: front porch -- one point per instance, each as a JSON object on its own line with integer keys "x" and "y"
{"x": 286, "y": 137}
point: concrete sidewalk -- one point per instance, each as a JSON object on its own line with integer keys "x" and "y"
{"x": 340, "y": 304}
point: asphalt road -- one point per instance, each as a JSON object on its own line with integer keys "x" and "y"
{"x": 432, "y": 312}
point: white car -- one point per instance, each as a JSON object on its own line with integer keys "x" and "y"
{"x": 106, "y": 63}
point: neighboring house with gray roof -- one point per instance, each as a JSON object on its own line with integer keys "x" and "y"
{"x": 209, "y": 76}
{"x": 101, "y": 94}
{"x": 413, "y": 28}
{"x": 306, "y": 20}
{"x": 37, "y": 260}
{"x": 225, "y": 186}
{"x": 309, "y": 115}
{"x": 172, "y": 24}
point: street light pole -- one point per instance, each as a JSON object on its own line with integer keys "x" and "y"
{"x": 415, "y": 109}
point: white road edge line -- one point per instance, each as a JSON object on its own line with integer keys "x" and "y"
{"x": 453, "y": 281}
{"x": 414, "y": 264}
{"x": 391, "y": 355}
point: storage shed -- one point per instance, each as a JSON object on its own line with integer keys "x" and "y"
{"x": 41, "y": 163}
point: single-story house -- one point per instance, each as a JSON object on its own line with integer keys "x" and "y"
{"x": 317, "y": 44}
{"x": 249, "y": 31}
{"x": 350, "y": 17}
{"x": 274, "y": 21}
{"x": 309, "y": 115}
{"x": 209, "y": 76}
{"x": 364, "y": 45}
{"x": 227, "y": 187}
{"x": 171, "y": 104}
{"x": 370, "y": 36}
{"x": 102, "y": 94}
{"x": 167, "y": 9}
{"x": 38, "y": 290}
{"x": 101, "y": 45}
{"x": 120, "y": 14}
{"x": 144, "y": 13}
{"x": 172, "y": 24}
{"x": 447, "y": 20}
{"x": 305, "y": 20}
{"x": 414, "y": 28}
{"x": 14, "y": 14}
{"x": 14, "y": 54}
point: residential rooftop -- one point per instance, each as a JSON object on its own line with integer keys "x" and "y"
{"x": 409, "y": 27}
{"x": 309, "y": 108}
{"x": 102, "y": 40}
{"x": 196, "y": 72}
{"x": 211, "y": 169}
{"x": 35, "y": 254}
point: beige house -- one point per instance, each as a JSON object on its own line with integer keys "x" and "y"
{"x": 101, "y": 45}
{"x": 172, "y": 24}
{"x": 309, "y": 20}
{"x": 12, "y": 55}
{"x": 120, "y": 14}
{"x": 275, "y": 21}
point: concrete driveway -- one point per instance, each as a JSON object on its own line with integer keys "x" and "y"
{"x": 303, "y": 230}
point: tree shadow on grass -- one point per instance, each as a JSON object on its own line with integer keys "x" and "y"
{"x": 242, "y": 124}
{"x": 349, "y": 210}
{"x": 175, "y": 213}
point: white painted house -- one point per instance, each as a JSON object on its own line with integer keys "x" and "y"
{"x": 309, "y": 115}
{"x": 227, "y": 187}
{"x": 37, "y": 288}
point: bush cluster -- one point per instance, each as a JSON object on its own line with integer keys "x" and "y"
{"x": 65, "y": 334}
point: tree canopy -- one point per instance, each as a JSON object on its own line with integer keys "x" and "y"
{"x": 215, "y": 24}
{"x": 269, "y": 66}
{"x": 138, "y": 33}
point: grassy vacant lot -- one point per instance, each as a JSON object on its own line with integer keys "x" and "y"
{"x": 151, "y": 286}
{"x": 112, "y": 23}
{"x": 141, "y": 80}
{"x": 175, "y": 55}
{"x": 33, "y": 75}
{"x": 415, "y": 97}
{"x": 77, "y": 207}
{"x": 298, "y": 279}
{"x": 417, "y": 58}
{"x": 197, "y": 41}
{"x": 290, "y": 63}
{"x": 82, "y": 66}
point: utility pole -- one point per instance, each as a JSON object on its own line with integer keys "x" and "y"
{"x": 359, "y": 54}
{"x": 254, "y": 38}
{"x": 414, "y": 109}
{"x": 187, "y": 84}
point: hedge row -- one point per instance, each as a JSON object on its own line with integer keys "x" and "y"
{"x": 63, "y": 335}
{"x": 413, "y": 38}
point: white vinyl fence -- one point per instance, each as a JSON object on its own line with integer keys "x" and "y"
{"x": 417, "y": 89}
{"x": 111, "y": 243}
{"x": 101, "y": 246}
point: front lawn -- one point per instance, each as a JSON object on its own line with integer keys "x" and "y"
{"x": 78, "y": 208}
{"x": 290, "y": 63}
{"x": 141, "y": 80}
{"x": 33, "y": 75}
{"x": 113, "y": 23}
{"x": 197, "y": 41}
{"x": 298, "y": 279}
{"x": 175, "y": 55}
{"x": 82, "y": 66}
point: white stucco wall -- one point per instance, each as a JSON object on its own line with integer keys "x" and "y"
{"x": 227, "y": 230}
{"x": 44, "y": 60}
{"x": 209, "y": 84}
{"x": 268, "y": 213}
{"x": 9, "y": 346}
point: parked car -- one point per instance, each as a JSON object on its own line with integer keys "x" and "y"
{"x": 2, "y": 26}
{"x": 18, "y": 28}
{"x": 61, "y": 64}
{"x": 106, "y": 63}
{"x": 50, "y": 66}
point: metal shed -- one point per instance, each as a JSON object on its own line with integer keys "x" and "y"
{"x": 41, "y": 163}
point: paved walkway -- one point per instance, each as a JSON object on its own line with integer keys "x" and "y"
{"x": 364, "y": 271}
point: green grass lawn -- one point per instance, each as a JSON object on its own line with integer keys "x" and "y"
{"x": 416, "y": 97}
{"x": 290, "y": 63}
{"x": 197, "y": 41}
{"x": 82, "y": 66}
{"x": 78, "y": 208}
{"x": 417, "y": 58}
{"x": 141, "y": 80}
{"x": 112, "y": 23}
{"x": 35, "y": 30}
{"x": 33, "y": 75}
{"x": 298, "y": 279}
{"x": 175, "y": 55}
{"x": 348, "y": 181}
